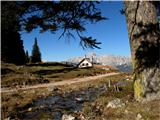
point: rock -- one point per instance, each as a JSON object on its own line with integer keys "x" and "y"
{"x": 29, "y": 109}
{"x": 126, "y": 111}
{"x": 103, "y": 88}
{"x": 24, "y": 91}
{"x": 127, "y": 79}
{"x": 79, "y": 99}
{"x": 139, "y": 117}
{"x": 68, "y": 117}
{"x": 19, "y": 67}
{"x": 115, "y": 103}
{"x": 126, "y": 101}
{"x": 7, "y": 118}
{"x": 52, "y": 88}
{"x": 80, "y": 116}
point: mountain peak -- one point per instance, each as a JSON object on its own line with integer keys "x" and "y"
{"x": 123, "y": 63}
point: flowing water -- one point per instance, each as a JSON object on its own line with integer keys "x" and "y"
{"x": 53, "y": 107}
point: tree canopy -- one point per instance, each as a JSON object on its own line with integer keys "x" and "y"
{"x": 53, "y": 16}
{"x": 46, "y": 16}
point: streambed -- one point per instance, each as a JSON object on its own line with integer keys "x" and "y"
{"x": 53, "y": 107}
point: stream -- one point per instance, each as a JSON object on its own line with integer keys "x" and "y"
{"x": 53, "y": 107}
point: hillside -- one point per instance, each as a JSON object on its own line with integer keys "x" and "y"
{"x": 32, "y": 74}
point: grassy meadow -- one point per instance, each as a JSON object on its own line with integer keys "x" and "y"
{"x": 32, "y": 74}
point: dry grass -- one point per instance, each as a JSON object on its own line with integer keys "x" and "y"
{"x": 19, "y": 99}
{"x": 96, "y": 110}
{"x": 11, "y": 102}
{"x": 19, "y": 76}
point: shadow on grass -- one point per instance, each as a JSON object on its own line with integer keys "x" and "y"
{"x": 48, "y": 64}
{"x": 47, "y": 72}
{"x": 6, "y": 71}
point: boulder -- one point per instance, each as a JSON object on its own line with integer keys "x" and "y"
{"x": 115, "y": 103}
{"x": 67, "y": 117}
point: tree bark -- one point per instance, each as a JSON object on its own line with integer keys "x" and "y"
{"x": 144, "y": 35}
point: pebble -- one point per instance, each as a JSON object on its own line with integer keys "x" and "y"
{"x": 68, "y": 117}
{"x": 79, "y": 99}
{"x": 29, "y": 109}
{"x": 115, "y": 103}
{"x": 139, "y": 117}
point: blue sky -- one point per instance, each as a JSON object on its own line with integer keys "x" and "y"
{"x": 112, "y": 33}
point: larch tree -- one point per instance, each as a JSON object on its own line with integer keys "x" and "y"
{"x": 144, "y": 35}
{"x": 36, "y": 55}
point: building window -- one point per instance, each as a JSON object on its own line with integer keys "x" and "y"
{"x": 82, "y": 64}
{"x": 86, "y": 64}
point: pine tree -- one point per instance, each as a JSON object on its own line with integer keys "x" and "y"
{"x": 36, "y": 55}
{"x": 27, "y": 57}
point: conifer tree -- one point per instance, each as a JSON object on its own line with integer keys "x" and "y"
{"x": 36, "y": 55}
{"x": 12, "y": 50}
{"x": 20, "y": 15}
{"x": 27, "y": 58}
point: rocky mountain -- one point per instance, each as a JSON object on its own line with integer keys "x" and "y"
{"x": 123, "y": 63}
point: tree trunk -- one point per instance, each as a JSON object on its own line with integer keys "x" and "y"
{"x": 144, "y": 35}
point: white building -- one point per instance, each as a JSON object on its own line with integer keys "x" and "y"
{"x": 85, "y": 63}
